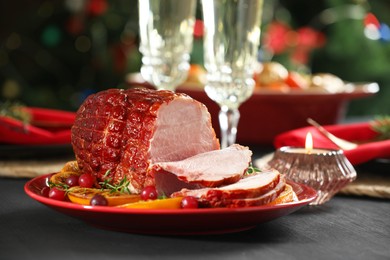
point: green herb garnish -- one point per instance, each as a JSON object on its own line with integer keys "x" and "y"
{"x": 162, "y": 197}
{"x": 252, "y": 169}
{"x": 121, "y": 187}
{"x": 62, "y": 186}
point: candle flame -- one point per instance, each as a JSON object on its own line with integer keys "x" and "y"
{"x": 309, "y": 143}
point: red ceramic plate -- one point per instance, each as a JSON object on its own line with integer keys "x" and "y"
{"x": 173, "y": 222}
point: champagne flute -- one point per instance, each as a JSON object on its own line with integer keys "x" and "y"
{"x": 231, "y": 42}
{"x": 166, "y": 33}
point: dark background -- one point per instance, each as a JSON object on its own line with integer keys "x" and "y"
{"x": 55, "y": 53}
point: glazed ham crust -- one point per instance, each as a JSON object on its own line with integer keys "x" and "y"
{"x": 123, "y": 131}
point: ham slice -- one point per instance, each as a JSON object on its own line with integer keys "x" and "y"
{"x": 122, "y": 132}
{"x": 258, "y": 201}
{"x": 209, "y": 169}
{"x": 252, "y": 190}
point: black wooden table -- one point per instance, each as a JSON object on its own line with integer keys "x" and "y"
{"x": 344, "y": 228}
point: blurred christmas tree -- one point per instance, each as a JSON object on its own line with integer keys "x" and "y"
{"x": 54, "y": 53}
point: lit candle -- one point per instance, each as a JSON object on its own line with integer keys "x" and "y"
{"x": 325, "y": 170}
{"x": 309, "y": 143}
{"x": 308, "y": 147}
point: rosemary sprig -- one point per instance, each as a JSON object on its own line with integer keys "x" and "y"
{"x": 252, "y": 169}
{"x": 121, "y": 187}
{"x": 62, "y": 186}
{"x": 106, "y": 181}
{"x": 381, "y": 125}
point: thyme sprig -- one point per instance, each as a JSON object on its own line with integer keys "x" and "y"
{"x": 121, "y": 187}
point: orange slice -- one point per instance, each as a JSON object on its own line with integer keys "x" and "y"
{"x": 288, "y": 195}
{"x": 169, "y": 203}
{"x": 83, "y": 196}
{"x": 70, "y": 166}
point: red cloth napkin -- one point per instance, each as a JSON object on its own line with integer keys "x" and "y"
{"x": 357, "y": 132}
{"x": 47, "y": 126}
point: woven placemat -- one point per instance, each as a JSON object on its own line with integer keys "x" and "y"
{"x": 31, "y": 168}
{"x": 375, "y": 183}
{"x": 373, "y": 180}
{"x": 369, "y": 185}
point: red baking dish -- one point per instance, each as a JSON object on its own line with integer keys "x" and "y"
{"x": 271, "y": 112}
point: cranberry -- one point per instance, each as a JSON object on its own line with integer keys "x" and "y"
{"x": 149, "y": 193}
{"x": 57, "y": 194}
{"x": 45, "y": 191}
{"x": 98, "y": 200}
{"x": 189, "y": 202}
{"x": 72, "y": 180}
{"x": 86, "y": 180}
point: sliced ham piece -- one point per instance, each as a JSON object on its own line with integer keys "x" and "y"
{"x": 209, "y": 169}
{"x": 255, "y": 189}
{"x": 123, "y": 132}
{"x": 258, "y": 201}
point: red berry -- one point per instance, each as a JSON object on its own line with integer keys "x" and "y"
{"x": 72, "y": 180}
{"x": 149, "y": 193}
{"x": 189, "y": 202}
{"x": 98, "y": 200}
{"x": 86, "y": 180}
{"x": 57, "y": 194}
{"x": 45, "y": 191}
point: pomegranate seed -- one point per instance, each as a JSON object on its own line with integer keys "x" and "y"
{"x": 98, "y": 200}
{"x": 189, "y": 202}
{"x": 86, "y": 180}
{"x": 57, "y": 194}
{"x": 149, "y": 193}
{"x": 72, "y": 180}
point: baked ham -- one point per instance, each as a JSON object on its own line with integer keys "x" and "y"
{"x": 120, "y": 133}
{"x": 251, "y": 190}
{"x": 166, "y": 139}
{"x": 209, "y": 169}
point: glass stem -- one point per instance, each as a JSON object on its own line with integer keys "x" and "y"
{"x": 228, "y": 121}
